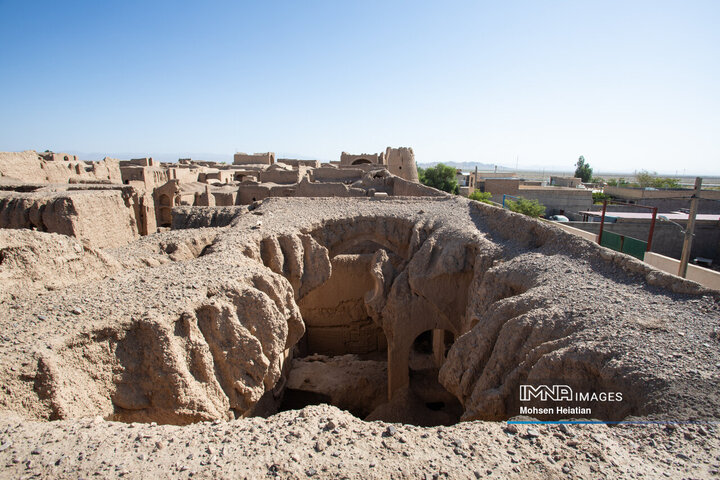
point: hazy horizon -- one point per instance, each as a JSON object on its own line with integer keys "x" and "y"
{"x": 228, "y": 158}
{"x": 628, "y": 85}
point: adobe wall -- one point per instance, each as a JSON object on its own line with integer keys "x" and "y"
{"x": 280, "y": 176}
{"x": 405, "y": 188}
{"x": 143, "y": 206}
{"x": 202, "y": 217}
{"x": 348, "y": 159}
{"x": 225, "y": 198}
{"x": 299, "y": 163}
{"x": 146, "y": 178}
{"x": 222, "y": 176}
{"x": 252, "y": 192}
{"x": 352, "y": 186}
{"x": 98, "y": 218}
{"x": 308, "y": 189}
{"x": 184, "y": 174}
{"x": 254, "y": 159}
{"x": 58, "y": 157}
{"x": 139, "y": 162}
{"x": 332, "y": 174}
{"x": 334, "y": 314}
{"x": 30, "y": 167}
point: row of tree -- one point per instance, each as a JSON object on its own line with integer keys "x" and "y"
{"x": 444, "y": 177}
{"x": 643, "y": 178}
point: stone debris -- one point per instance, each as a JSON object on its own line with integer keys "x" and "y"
{"x": 427, "y": 457}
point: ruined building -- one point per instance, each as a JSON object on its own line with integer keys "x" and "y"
{"x": 304, "y": 284}
{"x": 112, "y": 202}
{"x": 281, "y": 286}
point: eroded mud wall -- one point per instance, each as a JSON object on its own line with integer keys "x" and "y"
{"x": 334, "y": 314}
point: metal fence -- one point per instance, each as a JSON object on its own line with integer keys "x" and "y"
{"x": 621, "y": 243}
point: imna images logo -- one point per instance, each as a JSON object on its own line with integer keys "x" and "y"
{"x": 563, "y": 393}
{"x": 555, "y": 393}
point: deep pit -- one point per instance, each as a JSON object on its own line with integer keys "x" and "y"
{"x": 342, "y": 359}
{"x": 429, "y": 313}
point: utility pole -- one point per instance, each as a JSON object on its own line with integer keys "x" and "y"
{"x": 690, "y": 228}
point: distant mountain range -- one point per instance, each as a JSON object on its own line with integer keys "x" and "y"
{"x": 468, "y": 166}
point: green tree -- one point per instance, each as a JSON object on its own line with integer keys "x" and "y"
{"x": 441, "y": 177}
{"x": 599, "y": 197}
{"x": 479, "y": 196}
{"x": 531, "y": 208}
{"x": 583, "y": 170}
{"x": 646, "y": 179}
{"x": 619, "y": 182}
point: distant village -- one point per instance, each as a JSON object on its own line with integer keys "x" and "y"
{"x": 115, "y": 201}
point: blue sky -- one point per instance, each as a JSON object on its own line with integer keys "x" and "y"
{"x": 628, "y": 84}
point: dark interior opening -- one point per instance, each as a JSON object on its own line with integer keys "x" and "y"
{"x": 297, "y": 399}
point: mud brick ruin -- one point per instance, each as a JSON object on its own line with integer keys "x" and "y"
{"x": 166, "y": 308}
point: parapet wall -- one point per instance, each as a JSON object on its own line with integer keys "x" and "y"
{"x": 254, "y": 159}
{"x": 249, "y": 193}
{"x": 299, "y": 163}
{"x": 332, "y": 174}
{"x": 703, "y": 276}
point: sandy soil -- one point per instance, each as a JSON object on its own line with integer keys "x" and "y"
{"x": 324, "y": 442}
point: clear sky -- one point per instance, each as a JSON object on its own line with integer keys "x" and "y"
{"x": 628, "y": 84}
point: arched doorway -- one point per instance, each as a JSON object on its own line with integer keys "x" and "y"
{"x": 361, "y": 161}
{"x": 431, "y": 400}
{"x": 165, "y": 210}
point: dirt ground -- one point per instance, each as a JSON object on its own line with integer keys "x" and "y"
{"x": 324, "y": 442}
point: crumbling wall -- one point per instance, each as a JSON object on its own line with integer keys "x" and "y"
{"x": 98, "y": 218}
{"x": 214, "y": 359}
{"x": 359, "y": 386}
{"x": 281, "y": 176}
{"x": 332, "y": 174}
{"x": 405, "y": 188}
{"x": 298, "y": 162}
{"x": 38, "y": 261}
{"x": 30, "y": 167}
{"x": 350, "y": 159}
{"x": 254, "y": 159}
{"x": 334, "y": 313}
{"x": 200, "y": 217}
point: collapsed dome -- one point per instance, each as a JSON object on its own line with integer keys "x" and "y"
{"x": 421, "y": 310}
